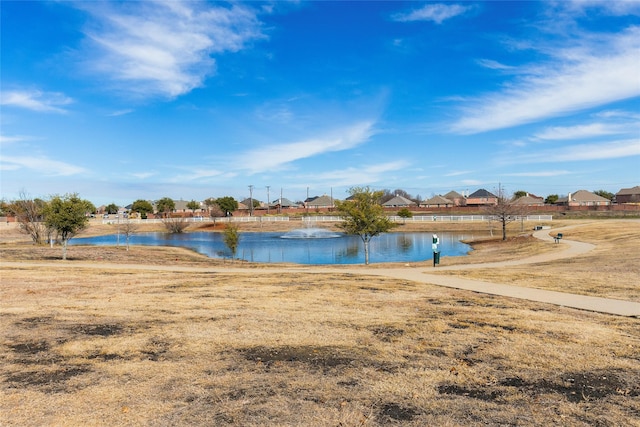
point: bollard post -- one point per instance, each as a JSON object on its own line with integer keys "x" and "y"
{"x": 436, "y": 252}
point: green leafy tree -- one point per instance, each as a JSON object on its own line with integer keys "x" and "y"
{"x": 143, "y": 207}
{"x": 228, "y": 204}
{"x": 231, "y": 238}
{"x": 111, "y": 208}
{"x": 67, "y": 215}
{"x": 605, "y": 194}
{"x": 364, "y": 216}
{"x": 165, "y": 206}
{"x": 405, "y": 213}
{"x": 519, "y": 194}
{"x": 551, "y": 199}
{"x": 193, "y": 205}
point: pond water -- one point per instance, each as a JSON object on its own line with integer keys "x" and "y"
{"x": 336, "y": 248}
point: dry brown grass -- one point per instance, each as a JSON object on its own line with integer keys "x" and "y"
{"x": 91, "y": 346}
{"x": 611, "y": 270}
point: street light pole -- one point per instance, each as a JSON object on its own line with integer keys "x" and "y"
{"x": 251, "y": 200}
{"x": 268, "y": 201}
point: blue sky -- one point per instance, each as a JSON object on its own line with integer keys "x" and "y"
{"x": 120, "y": 101}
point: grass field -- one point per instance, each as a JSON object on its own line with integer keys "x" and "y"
{"x": 104, "y": 347}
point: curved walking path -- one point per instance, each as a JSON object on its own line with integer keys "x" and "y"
{"x": 572, "y": 248}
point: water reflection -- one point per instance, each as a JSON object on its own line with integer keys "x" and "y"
{"x": 270, "y": 247}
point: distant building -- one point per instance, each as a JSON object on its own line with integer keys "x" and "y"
{"x": 482, "y": 197}
{"x": 628, "y": 195}
{"x": 457, "y": 198}
{"x": 529, "y": 200}
{"x": 319, "y": 202}
{"x": 583, "y": 198}
{"x": 283, "y": 203}
{"x": 438, "y": 202}
{"x": 398, "y": 202}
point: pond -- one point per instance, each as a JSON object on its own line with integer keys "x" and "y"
{"x": 330, "y": 248}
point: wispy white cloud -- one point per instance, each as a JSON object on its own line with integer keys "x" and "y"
{"x": 437, "y": 13}
{"x": 42, "y": 165}
{"x": 540, "y": 174}
{"x": 200, "y": 175}
{"x": 120, "y": 112}
{"x": 458, "y": 173}
{"x": 619, "y": 114}
{"x": 143, "y": 175}
{"x": 164, "y": 48}
{"x": 280, "y": 155}
{"x": 494, "y": 65}
{"x": 575, "y": 79}
{"x": 614, "y": 8}
{"x": 7, "y": 140}
{"x": 579, "y": 132}
{"x": 353, "y": 176}
{"x": 581, "y": 152}
{"x": 35, "y": 100}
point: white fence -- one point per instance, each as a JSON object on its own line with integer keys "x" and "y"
{"x": 313, "y": 219}
{"x": 465, "y": 218}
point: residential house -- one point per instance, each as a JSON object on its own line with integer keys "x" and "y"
{"x": 437, "y": 202}
{"x": 583, "y": 198}
{"x": 628, "y": 195}
{"x": 283, "y": 203}
{"x": 529, "y": 200}
{"x": 398, "y": 202}
{"x": 319, "y": 202}
{"x": 457, "y": 198}
{"x": 482, "y": 197}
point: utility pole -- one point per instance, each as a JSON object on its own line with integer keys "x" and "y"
{"x": 268, "y": 200}
{"x": 251, "y": 200}
{"x": 280, "y": 204}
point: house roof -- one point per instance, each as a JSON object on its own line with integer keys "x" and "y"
{"x": 587, "y": 196}
{"x": 480, "y": 194}
{"x": 629, "y": 191}
{"x": 529, "y": 200}
{"x": 452, "y": 195}
{"x": 399, "y": 201}
{"x": 322, "y": 201}
{"x": 438, "y": 200}
{"x": 284, "y": 202}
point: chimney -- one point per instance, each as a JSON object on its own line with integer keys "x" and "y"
{"x": 569, "y": 198}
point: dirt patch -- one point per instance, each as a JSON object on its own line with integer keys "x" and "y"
{"x": 34, "y": 322}
{"x": 576, "y": 387}
{"x": 322, "y": 357}
{"x": 156, "y": 349}
{"x": 387, "y": 333}
{"x": 397, "y": 412}
{"x": 47, "y": 379}
{"x": 105, "y": 330}
{"x": 474, "y": 393}
{"x": 30, "y": 348}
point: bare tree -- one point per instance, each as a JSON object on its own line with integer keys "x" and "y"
{"x": 175, "y": 224}
{"x": 505, "y": 210}
{"x": 29, "y": 214}
{"x": 128, "y": 228}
